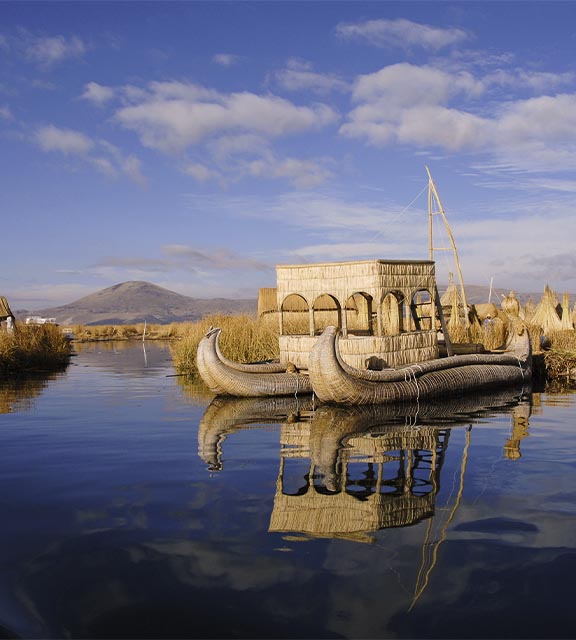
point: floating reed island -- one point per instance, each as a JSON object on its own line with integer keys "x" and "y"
{"x": 30, "y": 349}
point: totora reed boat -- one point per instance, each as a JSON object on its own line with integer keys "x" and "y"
{"x": 360, "y": 333}
{"x": 365, "y": 332}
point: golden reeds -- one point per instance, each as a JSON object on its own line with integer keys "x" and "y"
{"x": 243, "y": 339}
{"x": 33, "y": 348}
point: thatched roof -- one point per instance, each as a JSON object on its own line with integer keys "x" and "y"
{"x": 343, "y": 279}
{"x": 451, "y": 296}
{"x": 546, "y": 316}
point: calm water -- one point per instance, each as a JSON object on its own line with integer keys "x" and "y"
{"x": 134, "y": 508}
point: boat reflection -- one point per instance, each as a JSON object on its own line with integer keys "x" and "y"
{"x": 358, "y": 469}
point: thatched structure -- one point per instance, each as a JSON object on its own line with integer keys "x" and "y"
{"x": 546, "y": 315}
{"x": 510, "y": 304}
{"x": 567, "y": 322}
{"x": 385, "y": 309}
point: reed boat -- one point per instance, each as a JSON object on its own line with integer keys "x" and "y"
{"x": 334, "y": 381}
{"x": 364, "y": 332}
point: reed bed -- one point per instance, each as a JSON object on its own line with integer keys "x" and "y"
{"x": 560, "y": 358}
{"x": 243, "y": 339}
{"x": 96, "y": 333}
{"x": 33, "y": 348}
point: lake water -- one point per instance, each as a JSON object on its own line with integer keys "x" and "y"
{"x": 132, "y": 509}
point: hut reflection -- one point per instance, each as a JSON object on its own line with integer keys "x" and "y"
{"x": 349, "y": 471}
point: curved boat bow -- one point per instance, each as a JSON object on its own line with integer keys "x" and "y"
{"x": 226, "y": 377}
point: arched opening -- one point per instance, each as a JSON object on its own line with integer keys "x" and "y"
{"x": 421, "y": 311}
{"x": 393, "y": 311}
{"x": 359, "y": 314}
{"x": 295, "y": 316}
{"x": 326, "y": 312}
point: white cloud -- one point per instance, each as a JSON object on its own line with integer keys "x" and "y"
{"x": 48, "y": 51}
{"x": 433, "y": 108}
{"x": 401, "y": 33}
{"x": 174, "y": 116}
{"x": 404, "y": 84}
{"x": 226, "y": 59}
{"x": 67, "y": 141}
{"x": 97, "y": 93}
{"x": 200, "y": 172}
{"x": 105, "y": 157}
{"x": 298, "y": 76}
{"x": 304, "y": 174}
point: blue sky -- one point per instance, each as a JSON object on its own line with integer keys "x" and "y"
{"x": 196, "y": 145}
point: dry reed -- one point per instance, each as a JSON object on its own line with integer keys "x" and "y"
{"x": 33, "y": 348}
{"x": 243, "y": 339}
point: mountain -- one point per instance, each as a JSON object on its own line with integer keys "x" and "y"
{"x": 133, "y": 302}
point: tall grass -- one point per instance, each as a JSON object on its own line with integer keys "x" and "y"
{"x": 243, "y": 339}
{"x": 33, "y": 348}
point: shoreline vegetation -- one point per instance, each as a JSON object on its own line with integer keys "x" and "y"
{"x": 247, "y": 338}
{"x": 33, "y": 349}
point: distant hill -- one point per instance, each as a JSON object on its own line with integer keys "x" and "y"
{"x": 133, "y": 302}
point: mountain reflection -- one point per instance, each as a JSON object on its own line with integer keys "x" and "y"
{"x": 349, "y": 471}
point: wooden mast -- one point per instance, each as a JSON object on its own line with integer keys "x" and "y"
{"x": 433, "y": 195}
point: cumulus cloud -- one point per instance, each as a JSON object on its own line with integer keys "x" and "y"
{"x": 67, "y": 141}
{"x": 429, "y": 107}
{"x": 97, "y": 94}
{"x": 173, "y": 116}
{"x": 401, "y": 33}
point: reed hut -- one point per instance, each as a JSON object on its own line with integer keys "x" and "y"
{"x": 385, "y": 309}
{"x": 546, "y": 315}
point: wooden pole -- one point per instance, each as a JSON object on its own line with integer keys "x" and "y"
{"x": 432, "y": 192}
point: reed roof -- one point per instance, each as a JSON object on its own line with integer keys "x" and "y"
{"x": 5, "y": 311}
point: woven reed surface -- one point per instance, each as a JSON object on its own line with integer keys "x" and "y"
{"x": 343, "y": 279}
{"x": 331, "y": 514}
{"x": 244, "y": 380}
{"x": 389, "y": 351}
{"x": 334, "y": 381}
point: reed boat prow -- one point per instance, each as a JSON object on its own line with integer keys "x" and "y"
{"x": 335, "y": 381}
{"x": 226, "y": 377}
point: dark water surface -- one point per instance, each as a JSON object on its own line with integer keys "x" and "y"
{"x": 132, "y": 509}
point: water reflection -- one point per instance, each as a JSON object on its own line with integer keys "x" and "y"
{"x": 18, "y": 394}
{"x": 366, "y": 468}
